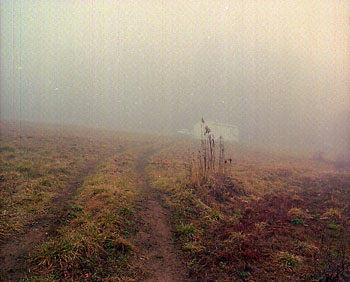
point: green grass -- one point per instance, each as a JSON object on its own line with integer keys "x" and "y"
{"x": 297, "y": 221}
{"x": 289, "y": 259}
{"x": 187, "y": 230}
{"x": 333, "y": 226}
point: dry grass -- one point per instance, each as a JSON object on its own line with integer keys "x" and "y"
{"x": 93, "y": 245}
{"x": 37, "y": 162}
{"x": 40, "y": 161}
{"x": 273, "y": 216}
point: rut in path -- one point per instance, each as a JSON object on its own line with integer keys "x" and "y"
{"x": 153, "y": 240}
{"x": 13, "y": 253}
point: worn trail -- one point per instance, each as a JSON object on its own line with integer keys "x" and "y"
{"x": 154, "y": 240}
{"x": 13, "y": 253}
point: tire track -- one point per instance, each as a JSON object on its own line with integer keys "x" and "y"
{"x": 154, "y": 241}
{"x": 13, "y": 253}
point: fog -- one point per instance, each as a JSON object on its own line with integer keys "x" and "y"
{"x": 279, "y": 70}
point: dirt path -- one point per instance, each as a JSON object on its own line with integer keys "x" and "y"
{"x": 13, "y": 253}
{"x": 154, "y": 241}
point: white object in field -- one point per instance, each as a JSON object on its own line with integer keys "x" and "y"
{"x": 184, "y": 132}
{"x": 227, "y": 131}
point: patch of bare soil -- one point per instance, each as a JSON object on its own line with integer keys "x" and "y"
{"x": 153, "y": 240}
{"x": 13, "y": 263}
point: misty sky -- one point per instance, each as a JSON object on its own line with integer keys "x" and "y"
{"x": 279, "y": 70}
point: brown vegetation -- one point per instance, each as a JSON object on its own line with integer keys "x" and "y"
{"x": 46, "y": 190}
{"x": 272, "y": 216}
{"x": 259, "y": 216}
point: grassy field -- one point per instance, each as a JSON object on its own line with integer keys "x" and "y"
{"x": 89, "y": 205}
{"x": 37, "y": 162}
{"x": 92, "y": 244}
{"x": 66, "y": 201}
{"x": 270, "y": 217}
